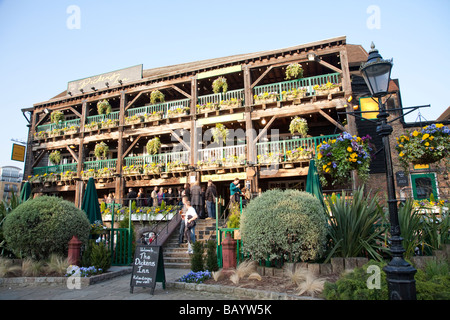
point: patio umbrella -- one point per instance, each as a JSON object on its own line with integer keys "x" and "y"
{"x": 313, "y": 185}
{"x": 90, "y": 203}
{"x": 25, "y": 192}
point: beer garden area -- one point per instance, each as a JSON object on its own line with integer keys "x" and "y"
{"x": 289, "y": 112}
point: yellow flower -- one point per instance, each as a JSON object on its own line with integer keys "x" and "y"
{"x": 353, "y": 155}
{"x": 431, "y": 137}
{"x": 319, "y": 156}
{"x": 439, "y": 125}
{"x": 401, "y": 154}
{"x": 415, "y": 133}
{"x": 327, "y": 170}
{"x": 427, "y": 144}
{"x": 400, "y": 146}
{"x": 425, "y": 136}
{"x": 349, "y": 149}
{"x": 324, "y": 167}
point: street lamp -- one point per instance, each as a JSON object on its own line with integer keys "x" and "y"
{"x": 399, "y": 273}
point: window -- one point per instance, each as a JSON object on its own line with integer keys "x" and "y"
{"x": 423, "y": 185}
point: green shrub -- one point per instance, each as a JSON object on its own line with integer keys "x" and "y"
{"x": 433, "y": 282}
{"x": 353, "y": 285}
{"x": 100, "y": 256}
{"x": 211, "y": 256}
{"x": 235, "y": 217}
{"x": 352, "y": 226}
{"x": 44, "y": 225}
{"x": 288, "y": 224}
{"x": 197, "y": 257}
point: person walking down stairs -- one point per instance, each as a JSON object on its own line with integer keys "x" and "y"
{"x": 189, "y": 233}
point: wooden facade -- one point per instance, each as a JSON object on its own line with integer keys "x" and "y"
{"x": 184, "y": 135}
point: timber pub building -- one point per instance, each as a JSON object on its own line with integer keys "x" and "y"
{"x": 257, "y": 103}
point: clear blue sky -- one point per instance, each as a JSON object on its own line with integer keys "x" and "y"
{"x": 39, "y": 54}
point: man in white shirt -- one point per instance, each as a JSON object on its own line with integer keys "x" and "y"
{"x": 191, "y": 216}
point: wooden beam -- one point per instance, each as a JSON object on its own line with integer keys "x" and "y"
{"x": 72, "y": 153}
{"x": 326, "y": 116}
{"x": 188, "y": 148}
{"x": 38, "y": 158}
{"x": 75, "y": 111}
{"x": 134, "y": 100}
{"x": 132, "y": 145}
{"x": 41, "y": 119}
{"x": 330, "y": 66}
{"x": 263, "y": 131}
{"x": 181, "y": 91}
{"x": 261, "y": 77}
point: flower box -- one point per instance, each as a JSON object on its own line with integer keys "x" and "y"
{"x": 91, "y": 127}
{"x": 153, "y": 117}
{"x": 110, "y": 124}
{"x": 136, "y": 119}
{"x": 265, "y": 101}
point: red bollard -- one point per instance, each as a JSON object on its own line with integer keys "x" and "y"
{"x": 74, "y": 251}
{"x": 229, "y": 252}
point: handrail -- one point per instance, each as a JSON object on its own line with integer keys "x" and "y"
{"x": 100, "y": 164}
{"x": 61, "y": 168}
{"x": 59, "y": 125}
{"x": 304, "y": 83}
{"x": 216, "y": 98}
{"x": 103, "y": 117}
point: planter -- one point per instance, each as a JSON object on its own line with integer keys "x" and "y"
{"x": 152, "y": 118}
{"x": 265, "y": 101}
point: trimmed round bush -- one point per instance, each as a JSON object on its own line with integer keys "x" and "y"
{"x": 44, "y": 225}
{"x": 289, "y": 225}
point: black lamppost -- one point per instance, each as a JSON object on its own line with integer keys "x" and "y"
{"x": 400, "y": 274}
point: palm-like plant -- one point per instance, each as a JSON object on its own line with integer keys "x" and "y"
{"x": 355, "y": 227}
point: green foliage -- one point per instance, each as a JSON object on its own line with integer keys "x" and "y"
{"x": 294, "y": 70}
{"x": 219, "y": 132}
{"x": 426, "y": 145}
{"x": 103, "y": 107}
{"x": 211, "y": 256}
{"x": 235, "y": 218}
{"x": 101, "y": 150}
{"x": 288, "y": 224}
{"x": 55, "y": 157}
{"x": 197, "y": 257}
{"x": 299, "y": 125}
{"x": 352, "y": 226}
{"x": 411, "y": 226}
{"x": 353, "y": 285}
{"x": 156, "y": 96}
{"x": 44, "y": 225}
{"x": 125, "y": 223}
{"x": 339, "y": 157}
{"x": 153, "y": 145}
{"x": 220, "y": 83}
{"x": 100, "y": 256}
{"x": 56, "y": 116}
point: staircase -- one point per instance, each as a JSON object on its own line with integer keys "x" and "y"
{"x": 175, "y": 255}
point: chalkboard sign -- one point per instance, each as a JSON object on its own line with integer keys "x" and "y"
{"x": 148, "y": 267}
{"x": 402, "y": 179}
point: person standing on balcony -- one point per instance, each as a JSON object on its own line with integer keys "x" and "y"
{"x": 154, "y": 196}
{"x": 210, "y": 197}
{"x": 141, "y": 198}
{"x": 131, "y": 196}
{"x": 160, "y": 196}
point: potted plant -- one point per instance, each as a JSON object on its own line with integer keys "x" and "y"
{"x": 230, "y": 103}
{"x": 55, "y": 157}
{"x": 41, "y": 135}
{"x": 155, "y": 115}
{"x": 427, "y": 145}
{"x": 269, "y": 158}
{"x": 294, "y": 71}
{"x": 299, "y": 125}
{"x": 153, "y": 145}
{"x": 71, "y": 130}
{"x": 103, "y": 107}
{"x": 109, "y": 123}
{"x": 265, "y": 97}
{"x": 91, "y": 126}
{"x": 156, "y": 96}
{"x": 294, "y": 93}
{"x": 220, "y": 132}
{"x": 134, "y": 119}
{"x": 326, "y": 88}
{"x": 101, "y": 150}
{"x": 56, "y": 116}
{"x": 220, "y": 84}
{"x": 340, "y": 156}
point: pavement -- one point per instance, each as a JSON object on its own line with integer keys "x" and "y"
{"x": 117, "y": 288}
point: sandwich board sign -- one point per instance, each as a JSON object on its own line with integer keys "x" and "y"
{"x": 148, "y": 267}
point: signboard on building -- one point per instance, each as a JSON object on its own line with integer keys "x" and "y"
{"x": 18, "y": 152}
{"x": 104, "y": 80}
{"x": 369, "y": 104}
{"x": 221, "y": 119}
{"x": 218, "y": 72}
{"x": 402, "y": 179}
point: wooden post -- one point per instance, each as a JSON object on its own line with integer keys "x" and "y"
{"x": 79, "y": 188}
{"x": 29, "y": 153}
{"x": 193, "y": 133}
{"x": 119, "y": 187}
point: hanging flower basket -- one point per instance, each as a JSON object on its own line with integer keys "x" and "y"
{"x": 156, "y": 96}
{"x": 299, "y": 125}
{"x": 294, "y": 71}
{"x": 220, "y": 132}
{"x": 340, "y": 156}
{"x": 153, "y": 145}
{"x": 103, "y": 107}
{"x": 220, "y": 84}
{"x": 101, "y": 150}
{"x": 56, "y": 116}
{"x": 55, "y": 157}
{"x": 427, "y": 145}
